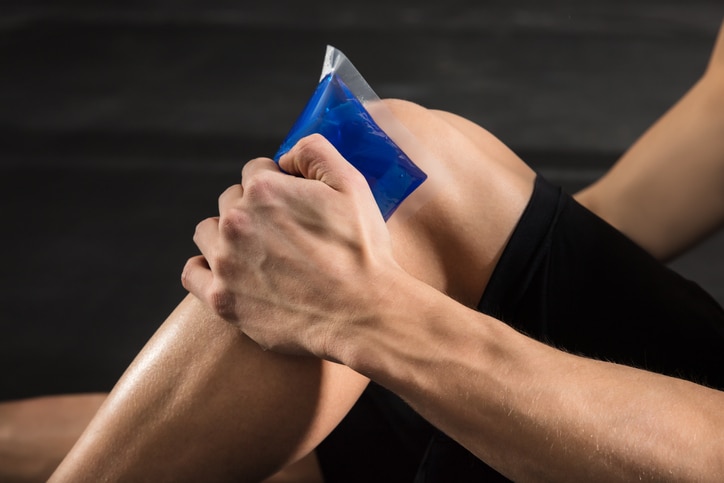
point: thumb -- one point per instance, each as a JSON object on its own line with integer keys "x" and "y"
{"x": 313, "y": 157}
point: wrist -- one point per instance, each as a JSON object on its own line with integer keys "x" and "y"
{"x": 396, "y": 301}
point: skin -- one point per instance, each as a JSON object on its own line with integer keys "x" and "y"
{"x": 533, "y": 412}
{"x": 35, "y": 434}
{"x": 666, "y": 191}
{"x": 627, "y": 197}
{"x": 183, "y": 437}
{"x": 195, "y": 352}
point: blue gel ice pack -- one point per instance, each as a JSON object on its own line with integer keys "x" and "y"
{"x": 334, "y": 112}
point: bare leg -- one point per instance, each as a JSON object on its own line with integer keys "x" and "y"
{"x": 36, "y": 433}
{"x": 190, "y": 407}
{"x": 202, "y": 402}
{"x": 649, "y": 177}
{"x": 667, "y": 191}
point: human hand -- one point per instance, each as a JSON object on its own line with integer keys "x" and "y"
{"x": 292, "y": 260}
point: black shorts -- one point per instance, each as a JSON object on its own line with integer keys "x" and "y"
{"x": 569, "y": 279}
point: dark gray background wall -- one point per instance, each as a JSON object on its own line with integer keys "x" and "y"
{"x": 121, "y": 122}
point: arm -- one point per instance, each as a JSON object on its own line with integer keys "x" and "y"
{"x": 202, "y": 399}
{"x": 533, "y": 412}
{"x": 667, "y": 191}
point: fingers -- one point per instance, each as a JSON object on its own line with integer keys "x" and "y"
{"x": 206, "y": 236}
{"x": 230, "y": 197}
{"x": 261, "y": 182}
{"x": 265, "y": 189}
{"x": 313, "y": 157}
{"x": 197, "y": 276}
{"x": 257, "y": 166}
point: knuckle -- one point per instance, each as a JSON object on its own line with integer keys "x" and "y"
{"x": 230, "y": 191}
{"x": 311, "y": 145}
{"x": 185, "y": 277}
{"x": 188, "y": 281}
{"x": 357, "y": 179}
{"x": 234, "y": 223}
{"x": 250, "y": 165}
{"x": 260, "y": 188}
{"x": 199, "y": 227}
{"x": 223, "y": 303}
{"x": 225, "y": 266}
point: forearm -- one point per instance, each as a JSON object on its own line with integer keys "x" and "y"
{"x": 666, "y": 192}
{"x": 203, "y": 402}
{"x": 531, "y": 411}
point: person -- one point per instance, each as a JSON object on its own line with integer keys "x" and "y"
{"x": 401, "y": 313}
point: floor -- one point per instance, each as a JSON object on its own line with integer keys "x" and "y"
{"x": 120, "y": 124}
